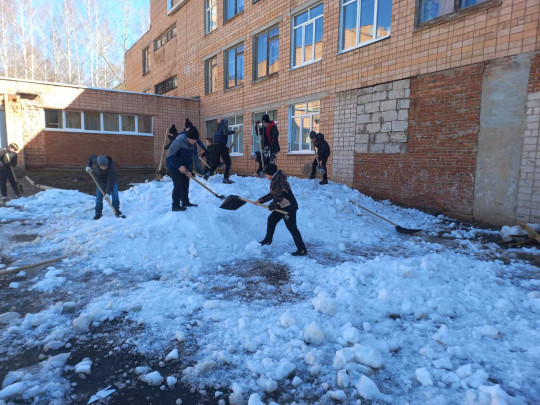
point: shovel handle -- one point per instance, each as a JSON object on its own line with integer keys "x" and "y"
{"x": 101, "y": 190}
{"x": 206, "y": 187}
{"x": 371, "y": 212}
{"x": 265, "y": 206}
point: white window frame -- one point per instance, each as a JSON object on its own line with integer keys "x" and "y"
{"x": 236, "y": 146}
{"x": 289, "y": 140}
{"x": 359, "y": 44}
{"x": 101, "y": 131}
{"x": 303, "y": 25}
{"x": 208, "y": 6}
{"x": 254, "y": 145}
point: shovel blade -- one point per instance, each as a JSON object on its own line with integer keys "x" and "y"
{"x": 406, "y": 231}
{"x": 232, "y": 202}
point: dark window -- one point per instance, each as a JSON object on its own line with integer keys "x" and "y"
{"x": 233, "y": 7}
{"x": 164, "y": 38}
{"x": 234, "y": 66}
{"x": 73, "y": 119}
{"x": 431, "y": 9}
{"x": 144, "y": 124}
{"x": 128, "y": 123}
{"x": 210, "y": 79}
{"x": 146, "y": 60}
{"x": 165, "y": 86}
{"x": 53, "y": 119}
{"x": 92, "y": 121}
{"x": 110, "y": 122}
{"x": 266, "y": 53}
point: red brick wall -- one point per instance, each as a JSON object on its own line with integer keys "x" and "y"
{"x": 534, "y": 75}
{"x": 438, "y": 169}
{"x": 73, "y": 149}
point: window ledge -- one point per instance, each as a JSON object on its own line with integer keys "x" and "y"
{"x": 233, "y": 17}
{"x": 90, "y": 132}
{"x": 460, "y": 13}
{"x": 304, "y": 152}
{"x": 239, "y": 86}
{"x": 305, "y": 64}
{"x": 363, "y": 44}
{"x": 265, "y": 78}
{"x": 144, "y": 74}
{"x": 206, "y": 34}
{"x": 235, "y": 154}
{"x": 176, "y": 7}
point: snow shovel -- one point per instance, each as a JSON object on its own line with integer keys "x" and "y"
{"x": 158, "y": 171}
{"x": 89, "y": 171}
{"x": 400, "y": 229}
{"x": 233, "y": 202}
{"x": 208, "y": 188}
{"x": 19, "y": 187}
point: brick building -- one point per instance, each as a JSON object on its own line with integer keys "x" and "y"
{"x": 429, "y": 103}
{"x": 58, "y": 125}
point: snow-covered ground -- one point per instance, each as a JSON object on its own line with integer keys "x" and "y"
{"x": 369, "y": 316}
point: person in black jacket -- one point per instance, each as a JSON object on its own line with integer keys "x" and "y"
{"x": 283, "y": 199}
{"x": 323, "y": 153}
{"x": 103, "y": 169}
{"x": 270, "y": 142}
{"x": 221, "y": 150}
{"x": 173, "y": 134}
{"x": 180, "y": 167}
{"x": 8, "y": 159}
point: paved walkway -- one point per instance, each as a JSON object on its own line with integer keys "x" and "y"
{"x": 28, "y": 189}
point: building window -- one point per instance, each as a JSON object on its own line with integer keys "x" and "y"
{"x": 303, "y": 119}
{"x": 210, "y": 19}
{"x": 431, "y": 9}
{"x": 146, "y": 60}
{"x": 255, "y": 145}
{"x": 128, "y": 123}
{"x": 144, "y": 124}
{"x": 111, "y": 122}
{"x": 73, "y": 119}
{"x": 164, "y": 38}
{"x": 232, "y": 8}
{"x": 165, "y": 86}
{"x": 234, "y": 66}
{"x": 92, "y": 121}
{"x": 363, "y": 22}
{"x": 238, "y": 146}
{"x": 307, "y": 36}
{"x": 266, "y": 53}
{"x": 211, "y": 128}
{"x": 53, "y": 119}
{"x": 210, "y": 75}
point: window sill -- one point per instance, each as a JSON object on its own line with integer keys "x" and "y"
{"x": 363, "y": 44}
{"x": 235, "y": 154}
{"x": 304, "y": 152}
{"x": 206, "y": 34}
{"x": 239, "y": 86}
{"x": 145, "y": 73}
{"x": 265, "y": 78}
{"x": 176, "y": 7}
{"x": 305, "y": 64}
{"x": 233, "y": 17}
{"x": 83, "y": 131}
{"x": 460, "y": 13}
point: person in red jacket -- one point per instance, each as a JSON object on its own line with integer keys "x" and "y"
{"x": 270, "y": 142}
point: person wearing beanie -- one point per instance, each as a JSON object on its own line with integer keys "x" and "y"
{"x": 104, "y": 171}
{"x": 322, "y": 149}
{"x": 8, "y": 159}
{"x": 196, "y": 159}
{"x": 180, "y": 168}
{"x": 221, "y": 150}
{"x": 282, "y": 198}
{"x": 173, "y": 133}
{"x": 269, "y": 135}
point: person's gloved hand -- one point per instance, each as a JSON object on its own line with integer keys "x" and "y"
{"x": 88, "y": 169}
{"x": 272, "y": 206}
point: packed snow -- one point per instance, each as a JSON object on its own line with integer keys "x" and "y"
{"x": 436, "y": 317}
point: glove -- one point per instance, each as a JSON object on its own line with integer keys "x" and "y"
{"x": 88, "y": 169}
{"x": 272, "y": 206}
{"x": 258, "y": 122}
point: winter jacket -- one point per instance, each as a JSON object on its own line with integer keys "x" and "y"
{"x": 106, "y": 178}
{"x": 4, "y": 165}
{"x": 223, "y": 132}
{"x": 180, "y": 154}
{"x": 195, "y": 151}
{"x": 173, "y": 134}
{"x": 270, "y": 137}
{"x": 323, "y": 149}
{"x": 280, "y": 193}
{"x": 210, "y": 155}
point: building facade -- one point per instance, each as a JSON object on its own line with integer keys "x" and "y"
{"x": 429, "y": 103}
{"x": 58, "y": 125}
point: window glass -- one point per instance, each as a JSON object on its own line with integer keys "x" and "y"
{"x": 145, "y": 124}
{"x": 308, "y": 41}
{"x": 234, "y": 123}
{"x": 211, "y": 15}
{"x": 316, "y": 11}
{"x": 128, "y": 123}
{"x": 211, "y": 128}
{"x": 301, "y": 18}
{"x": 73, "y": 120}
{"x": 367, "y": 17}
{"x": 211, "y": 75}
{"x": 110, "y": 122}
{"x": 92, "y": 121}
{"x": 273, "y": 55}
{"x": 307, "y": 36}
{"x": 53, "y": 119}
{"x": 370, "y": 22}
{"x": 255, "y": 145}
{"x": 384, "y": 17}
{"x": 231, "y": 68}
{"x": 262, "y": 41}
{"x": 349, "y": 25}
{"x": 304, "y": 119}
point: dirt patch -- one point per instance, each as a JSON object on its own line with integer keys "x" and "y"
{"x": 24, "y": 237}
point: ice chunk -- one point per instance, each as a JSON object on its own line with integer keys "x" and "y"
{"x": 236, "y": 397}
{"x": 267, "y": 384}
{"x": 423, "y": 376}
{"x": 7, "y": 317}
{"x": 255, "y": 399}
{"x": 324, "y": 304}
{"x": 84, "y": 366}
{"x": 314, "y": 334}
{"x": 253, "y": 246}
{"x": 367, "y": 388}
{"x": 337, "y": 395}
{"x": 489, "y": 331}
{"x": 82, "y": 323}
{"x": 368, "y": 356}
{"x": 351, "y": 335}
{"x": 173, "y": 355}
{"x": 12, "y": 390}
{"x": 477, "y": 379}
{"x": 451, "y": 378}
{"x": 342, "y": 357}
{"x": 171, "y": 381}
{"x": 343, "y": 379}
{"x": 297, "y": 381}
{"x": 180, "y": 336}
{"x": 464, "y": 371}
{"x": 54, "y": 345}
{"x": 443, "y": 362}
{"x": 287, "y": 320}
{"x": 101, "y": 394}
{"x": 154, "y": 378}
{"x": 442, "y": 335}
{"x": 142, "y": 370}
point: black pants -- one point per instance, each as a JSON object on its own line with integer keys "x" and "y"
{"x": 181, "y": 187}
{"x": 290, "y": 223}
{"x": 268, "y": 158}
{"x": 314, "y": 165}
{"x": 5, "y": 175}
{"x": 222, "y": 151}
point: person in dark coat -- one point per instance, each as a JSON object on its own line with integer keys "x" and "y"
{"x": 104, "y": 171}
{"x": 282, "y": 198}
{"x": 180, "y": 168}
{"x": 323, "y": 153}
{"x": 270, "y": 142}
{"x": 8, "y": 159}
{"x": 195, "y": 151}
{"x": 173, "y": 134}
{"x": 221, "y": 150}
{"x": 209, "y": 154}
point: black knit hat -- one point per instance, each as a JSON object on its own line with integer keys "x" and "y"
{"x": 188, "y": 124}
{"x": 193, "y": 133}
{"x": 270, "y": 169}
{"x": 173, "y": 130}
{"x": 265, "y": 118}
{"x": 313, "y": 134}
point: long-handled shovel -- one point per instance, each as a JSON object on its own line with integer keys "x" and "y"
{"x": 158, "y": 171}
{"x": 89, "y": 171}
{"x": 233, "y": 202}
{"x": 19, "y": 187}
{"x": 29, "y": 266}
{"x": 207, "y": 188}
{"x": 400, "y": 229}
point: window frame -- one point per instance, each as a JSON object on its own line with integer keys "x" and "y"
{"x": 255, "y": 147}
{"x": 240, "y": 140}
{"x": 64, "y": 127}
{"x": 165, "y": 37}
{"x": 418, "y": 24}
{"x": 208, "y": 65}
{"x": 255, "y": 52}
{"x": 225, "y": 8}
{"x": 290, "y": 127}
{"x": 146, "y": 60}
{"x": 174, "y": 86}
{"x": 358, "y": 44}
{"x": 226, "y": 66}
{"x": 208, "y": 6}
{"x": 303, "y": 25}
